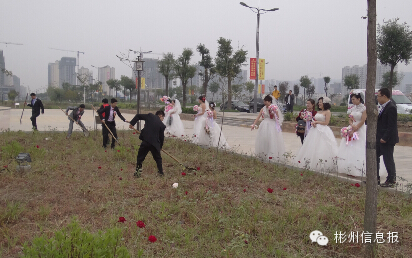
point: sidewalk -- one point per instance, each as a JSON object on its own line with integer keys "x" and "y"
{"x": 241, "y": 139}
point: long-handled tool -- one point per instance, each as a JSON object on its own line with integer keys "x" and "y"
{"x": 85, "y": 132}
{"x": 24, "y": 107}
{"x": 168, "y": 154}
{"x": 108, "y": 128}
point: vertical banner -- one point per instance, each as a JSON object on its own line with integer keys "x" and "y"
{"x": 190, "y": 92}
{"x": 263, "y": 88}
{"x": 259, "y": 89}
{"x": 193, "y": 92}
{"x": 136, "y": 83}
{"x": 253, "y": 68}
{"x": 143, "y": 80}
{"x": 261, "y": 69}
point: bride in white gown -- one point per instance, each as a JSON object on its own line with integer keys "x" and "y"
{"x": 172, "y": 120}
{"x": 319, "y": 148}
{"x": 200, "y": 118}
{"x": 352, "y": 154}
{"x": 269, "y": 143}
{"x": 211, "y": 135}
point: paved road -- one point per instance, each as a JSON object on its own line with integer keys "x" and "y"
{"x": 241, "y": 139}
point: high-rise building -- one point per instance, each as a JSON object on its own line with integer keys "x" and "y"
{"x": 67, "y": 73}
{"x": 86, "y": 75}
{"x": 335, "y": 88}
{"x": 53, "y": 78}
{"x": 104, "y": 74}
{"x": 153, "y": 78}
{"x": 361, "y": 71}
{"x": 2, "y": 66}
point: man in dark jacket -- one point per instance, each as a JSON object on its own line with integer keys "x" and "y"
{"x": 290, "y": 101}
{"x": 36, "y": 105}
{"x": 75, "y": 115}
{"x": 387, "y": 135}
{"x": 110, "y": 113}
{"x": 152, "y": 137}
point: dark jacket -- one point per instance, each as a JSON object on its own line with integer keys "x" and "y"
{"x": 292, "y": 99}
{"x": 73, "y": 114}
{"x": 387, "y": 128}
{"x": 103, "y": 106}
{"x": 153, "y": 131}
{"x": 106, "y": 111}
{"x": 36, "y": 107}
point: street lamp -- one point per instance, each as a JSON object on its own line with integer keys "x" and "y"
{"x": 258, "y": 11}
{"x": 138, "y": 67}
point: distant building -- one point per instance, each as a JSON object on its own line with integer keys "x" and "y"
{"x": 67, "y": 71}
{"x": 104, "y": 74}
{"x": 361, "y": 71}
{"x": 408, "y": 89}
{"x": 153, "y": 78}
{"x": 2, "y": 66}
{"x": 86, "y": 75}
{"x": 53, "y": 74}
{"x": 335, "y": 88}
{"x": 22, "y": 93}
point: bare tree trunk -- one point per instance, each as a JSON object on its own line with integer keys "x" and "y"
{"x": 229, "y": 93}
{"x": 167, "y": 85}
{"x": 372, "y": 114}
{"x": 184, "y": 94}
{"x": 206, "y": 82}
{"x": 391, "y": 78}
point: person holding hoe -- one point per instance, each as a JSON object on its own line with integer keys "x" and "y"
{"x": 75, "y": 116}
{"x": 152, "y": 137}
{"x": 110, "y": 113}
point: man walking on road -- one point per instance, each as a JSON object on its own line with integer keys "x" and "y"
{"x": 36, "y": 105}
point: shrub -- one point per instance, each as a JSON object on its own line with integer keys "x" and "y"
{"x": 12, "y": 149}
{"x": 290, "y": 116}
{"x": 404, "y": 117}
{"x": 73, "y": 241}
{"x": 188, "y": 110}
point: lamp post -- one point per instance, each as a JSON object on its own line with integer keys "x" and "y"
{"x": 258, "y": 11}
{"x": 138, "y": 67}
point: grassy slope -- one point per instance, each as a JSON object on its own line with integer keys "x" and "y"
{"x": 213, "y": 219}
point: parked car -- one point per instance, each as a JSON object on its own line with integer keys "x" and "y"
{"x": 260, "y": 105}
{"x": 237, "y": 105}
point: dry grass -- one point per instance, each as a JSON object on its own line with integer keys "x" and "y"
{"x": 216, "y": 218}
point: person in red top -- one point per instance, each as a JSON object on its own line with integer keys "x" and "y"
{"x": 310, "y": 107}
{"x": 105, "y": 103}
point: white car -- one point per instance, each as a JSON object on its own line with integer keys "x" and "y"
{"x": 403, "y": 104}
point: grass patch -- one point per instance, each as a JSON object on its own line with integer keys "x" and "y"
{"x": 222, "y": 210}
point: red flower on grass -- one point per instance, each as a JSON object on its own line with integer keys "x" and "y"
{"x": 183, "y": 173}
{"x": 298, "y": 161}
{"x": 198, "y": 168}
{"x": 284, "y": 189}
{"x": 270, "y": 157}
{"x": 121, "y": 169}
{"x": 301, "y": 174}
{"x": 141, "y": 224}
{"x": 99, "y": 167}
{"x": 244, "y": 190}
{"x": 122, "y": 219}
{"x": 246, "y": 242}
{"x": 105, "y": 150}
{"x": 186, "y": 192}
{"x": 357, "y": 185}
{"x": 152, "y": 239}
{"x": 352, "y": 184}
{"x": 120, "y": 178}
{"x": 118, "y": 150}
{"x": 5, "y": 166}
{"x": 37, "y": 146}
{"x": 270, "y": 190}
{"x": 134, "y": 132}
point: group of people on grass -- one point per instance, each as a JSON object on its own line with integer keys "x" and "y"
{"x": 319, "y": 150}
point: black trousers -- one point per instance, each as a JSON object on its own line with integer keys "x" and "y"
{"x": 289, "y": 108}
{"x": 386, "y": 150}
{"x": 33, "y": 119}
{"x": 302, "y": 137}
{"x": 145, "y": 147}
{"x": 112, "y": 127}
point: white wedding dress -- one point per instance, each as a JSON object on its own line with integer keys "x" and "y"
{"x": 199, "y": 123}
{"x": 319, "y": 148}
{"x": 352, "y": 156}
{"x": 269, "y": 143}
{"x": 175, "y": 127}
{"x": 211, "y": 139}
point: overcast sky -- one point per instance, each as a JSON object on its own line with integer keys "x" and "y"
{"x": 305, "y": 37}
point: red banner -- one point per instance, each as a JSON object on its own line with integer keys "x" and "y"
{"x": 263, "y": 88}
{"x": 136, "y": 83}
{"x": 253, "y": 68}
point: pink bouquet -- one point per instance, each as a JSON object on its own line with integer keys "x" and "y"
{"x": 196, "y": 108}
{"x": 168, "y": 108}
{"x": 209, "y": 114}
{"x": 308, "y": 116}
{"x": 345, "y": 131}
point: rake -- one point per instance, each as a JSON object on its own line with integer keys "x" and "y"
{"x": 168, "y": 154}
{"x": 23, "y": 107}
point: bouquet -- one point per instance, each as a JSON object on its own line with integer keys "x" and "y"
{"x": 307, "y": 116}
{"x": 345, "y": 131}
{"x": 196, "y": 108}
{"x": 272, "y": 110}
{"x": 168, "y": 108}
{"x": 209, "y": 114}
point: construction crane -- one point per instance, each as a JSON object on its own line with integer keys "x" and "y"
{"x": 78, "y": 52}
{"x": 10, "y": 43}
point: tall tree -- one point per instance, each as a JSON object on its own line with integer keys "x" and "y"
{"x": 283, "y": 88}
{"x": 228, "y": 64}
{"x": 371, "y": 198}
{"x": 305, "y": 83}
{"x": 214, "y": 87}
{"x": 128, "y": 84}
{"x": 311, "y": 91}
{"x": 386, "y": 80}
{"x": 394, "y": 45}
{"x": 184, "y": 70}
{"x": 114, "y": 84}
{"x": 207, "y": 64}
{"x": 166, "y": 66}
{"x": 296, "y": 91}
{"x": 351, "y": 81}
{"x": 12, "y": 95}
{"x": 237, "y": 90}
{"x": 326, "y": 79}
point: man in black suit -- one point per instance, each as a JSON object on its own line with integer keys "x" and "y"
{"x": 110, "y": 113}
{"x": 152, "y": 137}
{"x": 387, "y": 135}
{"x": 289, "y": 101}
{"x": 35, "y": 105}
